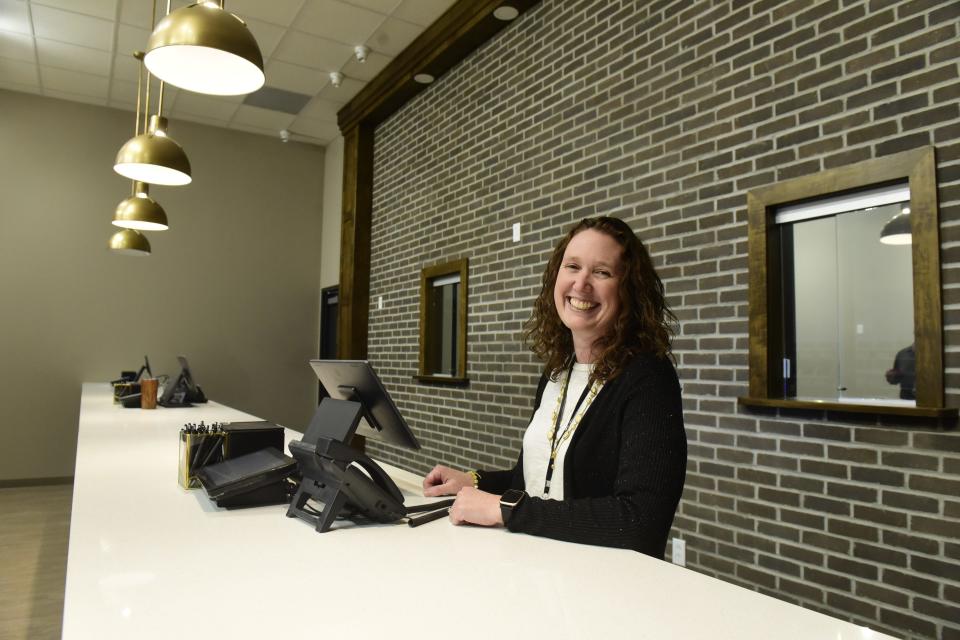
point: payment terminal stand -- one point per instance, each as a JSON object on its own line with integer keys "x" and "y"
{"x": 343, "y": 479}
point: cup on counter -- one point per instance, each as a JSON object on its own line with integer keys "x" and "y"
{"x": 148, "y": 393}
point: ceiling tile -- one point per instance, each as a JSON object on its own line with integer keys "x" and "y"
{"x": 344, "y": 93}
{"x": 262, "y": 118}
{"x": 125, "y": 67}
{"x": 281, "y": 12}
{"x": 106, "y": 9}
{"x": 368, "y": 70}
{"x": 394, "y": 36}
{"x": 338, "y": 21}
{"x": 270, "y": 132}
{"x": 292, "y": 77}
{"x": 75, "y": 97}
{"x": 17, "y": 46}
{"x": 267, "y": 35}
{"x": 422, "y": 12}
{"x": 74, "y": 28}
{"x": 136, "y": 13}
{"x": 18, "y": 71}
{"x": 385, "y": 7}
{"x": 130, "y": 39}
{"x": 189, "y": 117}
{"x": 319, "y": 129}
{"x": 170, "y": 95}
{"x": 123, "y": 105}
{"x": 207, "y": 106}
{"x": 75, "y": 58}
{"x": 319, "y": 109}
{"x": 311, "y": 51}
{"x": 22, "y": 88}
{"x": 15, "y": 17}
{"x": 124, "y": 92}
{"x": 64, "y": 81}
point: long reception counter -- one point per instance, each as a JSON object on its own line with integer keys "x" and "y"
{"x": 148, "y": 559}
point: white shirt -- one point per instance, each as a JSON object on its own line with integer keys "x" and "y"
{"x": 536, "y": 446}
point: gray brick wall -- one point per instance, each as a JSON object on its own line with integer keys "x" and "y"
{"x": 666, "y": 113}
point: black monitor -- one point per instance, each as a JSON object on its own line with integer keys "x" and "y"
{"x": 182, "y": 390}
{"x": 355, "y": 380}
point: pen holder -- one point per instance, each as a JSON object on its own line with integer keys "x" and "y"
{"x": 197, "y": 450}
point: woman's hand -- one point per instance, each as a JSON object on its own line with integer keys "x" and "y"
{"x": 476, "y": 507}
{"x": 444, "y": 481}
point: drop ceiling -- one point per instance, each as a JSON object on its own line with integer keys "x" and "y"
{"x": 81, "y": 50}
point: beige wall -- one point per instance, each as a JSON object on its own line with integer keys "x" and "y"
{"x": 332, "y": 198}
{"x": 232, "y": 284}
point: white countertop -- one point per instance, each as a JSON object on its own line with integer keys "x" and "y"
{"x": 148, "y": 559}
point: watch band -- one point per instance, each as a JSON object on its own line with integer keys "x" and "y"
{"x": 508, "y": 502}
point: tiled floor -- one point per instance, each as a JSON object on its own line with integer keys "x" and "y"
{"x": 34, "y": 529}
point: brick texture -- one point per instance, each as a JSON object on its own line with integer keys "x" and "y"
{"x": 666, "y": 113}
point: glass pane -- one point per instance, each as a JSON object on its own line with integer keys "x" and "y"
{"x": 815, "y": 289}
{"x": 876, "y": 306}
{"x": 448, "y": 323}
{"x": 848, "y": 322}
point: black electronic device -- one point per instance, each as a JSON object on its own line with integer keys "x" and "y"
{"x": 126, "y": 388}
{"x": 134, "y": 376}
{"x": 356, "y": 381}
{"x": 246, "y": 437}
{"x": 253, "y": 479}
{"x": 182, "y": 391}
{"x": 342, "y": 479}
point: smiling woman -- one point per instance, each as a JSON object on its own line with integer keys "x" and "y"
{"x": 604, "y": 456}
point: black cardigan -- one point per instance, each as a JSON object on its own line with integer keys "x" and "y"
{"x": 624, "y": 467}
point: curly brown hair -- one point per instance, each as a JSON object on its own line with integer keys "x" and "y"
{"x": 643, "y": 324}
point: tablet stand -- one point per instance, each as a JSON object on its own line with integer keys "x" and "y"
{"x": 328, "y": 468}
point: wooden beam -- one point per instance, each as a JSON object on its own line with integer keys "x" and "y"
{"x": 355, "y": 243}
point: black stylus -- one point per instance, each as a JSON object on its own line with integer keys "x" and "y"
{"x": 430, "y": 516}
{"x": 430, "y": 506}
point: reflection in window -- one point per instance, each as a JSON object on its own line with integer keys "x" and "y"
{"x": 443, "y": 322}
{"x": 847, "y": 313}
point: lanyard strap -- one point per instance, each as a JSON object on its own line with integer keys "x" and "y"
{"x": 556, "y": 438}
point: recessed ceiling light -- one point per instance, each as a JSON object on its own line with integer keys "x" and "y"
{"x": 423, "y": 78}
{"x": 505, "y": 13}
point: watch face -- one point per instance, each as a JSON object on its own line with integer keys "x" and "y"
{"x": 511, "y": 497}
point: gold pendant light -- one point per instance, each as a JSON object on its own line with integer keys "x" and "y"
{"x": 205, "y": 49}
{"x": 152, "y": 156}
{"x": 140, "y": 211}
{"x": 129, "y": 242}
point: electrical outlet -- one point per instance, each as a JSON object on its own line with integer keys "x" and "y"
{"x": 679, "y": 555}
{"x": 379, "y": 303}
{"x": 516, "y": 232}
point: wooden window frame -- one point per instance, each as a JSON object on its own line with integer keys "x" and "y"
{"x": 427, "y": 276}
{"x": 918, "y": 167}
